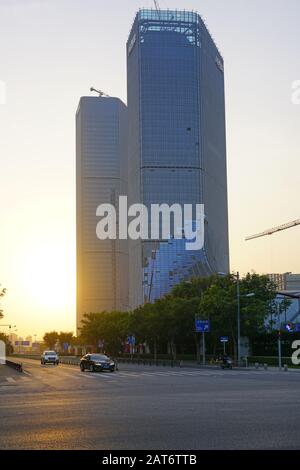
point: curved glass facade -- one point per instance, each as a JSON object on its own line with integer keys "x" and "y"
{"x": 177, "y": 145}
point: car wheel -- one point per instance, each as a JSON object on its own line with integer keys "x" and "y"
{"x": 92, "y": 368}
{"x": 111, "y": 370}
{"x": 82, "y": 367}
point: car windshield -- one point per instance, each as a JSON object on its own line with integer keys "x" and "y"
{"x": 99, "y": 357}
{"x": 49, "y": 353}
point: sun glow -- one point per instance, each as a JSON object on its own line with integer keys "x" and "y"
{"x": 44, "y": 270}
{"x": 49, "y": 276}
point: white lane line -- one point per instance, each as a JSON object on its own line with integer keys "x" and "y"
{"x": 128, "y": 374}
{"x": 10, "y": 379}
{"x": 160, "y": 374}
{"x": 86, "y": 376}
{"x": 27, "y": 373}
{"x": 106, "y": 377}
{"x": 153, "y": 374}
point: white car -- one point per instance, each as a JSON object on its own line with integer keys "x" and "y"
{"x": 49, "y": 357}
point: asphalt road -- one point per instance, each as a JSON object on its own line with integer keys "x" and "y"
{"x": 140, "y": 407}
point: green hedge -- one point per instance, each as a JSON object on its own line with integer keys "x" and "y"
{"x": 271, "y": 360}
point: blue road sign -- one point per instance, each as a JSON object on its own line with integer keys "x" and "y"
{"x": 224, "y": 339}
{"x": 202, "y": 326}
{"x": 131, "y": 339}
{"x": 289, "y": 327}
{"x": 65, "y": 345}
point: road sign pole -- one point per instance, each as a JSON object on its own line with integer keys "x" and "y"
{"x": 203, "y": 346}
{"x": 224, "y": 347}
{"x": 279, "y": 351}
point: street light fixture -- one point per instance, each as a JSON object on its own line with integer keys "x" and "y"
{"x": 238, "y": 296}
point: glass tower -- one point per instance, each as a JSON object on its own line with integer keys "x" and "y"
{"x": 177, "y": 144}
{"x": 101, "y": 176}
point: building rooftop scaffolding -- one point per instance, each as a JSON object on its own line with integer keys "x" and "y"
{"x": 176, "y": 16}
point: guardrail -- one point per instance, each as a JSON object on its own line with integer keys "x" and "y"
{"x": 149, "y": 362}
{"x": 15, "y": 365}
{"x": 70, "y": 362}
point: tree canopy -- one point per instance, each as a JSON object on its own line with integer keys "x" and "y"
{"x": 2, "y": 294}
{"x": 169, "y": 323}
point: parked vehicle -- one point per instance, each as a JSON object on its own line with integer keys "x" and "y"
{"x": 226, "y": 363}
{"x": 97, "y": 362}
{"x": 49, "y": 357}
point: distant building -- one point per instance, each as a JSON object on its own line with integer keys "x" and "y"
{"x": 286, "y": 281}
{"x": 177, "y": 144}
{"x": 101, "y": 176}
{"x": 292, "y": 282}
{"x": 279, "y": 280}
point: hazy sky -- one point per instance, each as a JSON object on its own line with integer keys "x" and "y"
{"x": 51, "y": 52}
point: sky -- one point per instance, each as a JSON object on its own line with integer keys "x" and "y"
{"x": 51, "y": 53}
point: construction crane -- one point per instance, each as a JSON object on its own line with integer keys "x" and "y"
{"x": 157, "y": 8}
{"x": 101, "y": 93}
{"x": 274, "y": 230}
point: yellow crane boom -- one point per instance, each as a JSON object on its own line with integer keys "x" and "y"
{"x": 274, "y": 230}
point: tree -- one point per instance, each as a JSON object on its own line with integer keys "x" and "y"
{"x": 110, "y": 327}
{"x": 219, "y": 303}
{"x": 50, "y": 339}
{"x": 147, "y": 324}
{"x": 8, "y": 345}
{"x": 192, "y": 289}
{"x": 2, "y": 294}
{"x": 66, "y": 337}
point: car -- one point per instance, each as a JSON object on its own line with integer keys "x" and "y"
{"x": 97, "y": 362}
{"x": 49, "y": 357}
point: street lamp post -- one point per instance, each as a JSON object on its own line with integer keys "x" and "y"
{"x": 238, "y": 318}
{"x": 238, "y": 296}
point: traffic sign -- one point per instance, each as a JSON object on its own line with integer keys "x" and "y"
{"x": 202, "y": 326}
{"x": 224, "y": 339}
{"x": 131, "y": 339}
{"x": 289, "y": 327}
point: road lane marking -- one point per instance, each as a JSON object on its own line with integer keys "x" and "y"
{"x": 10, "y": 379}
{"x": 128, "y": 374}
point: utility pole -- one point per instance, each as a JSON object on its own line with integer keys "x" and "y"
{"x": 279, "y": 350}
{"x": 238, "y": 318}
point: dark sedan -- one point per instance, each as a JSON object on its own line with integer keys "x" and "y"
{"x": 97, "y": 362}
